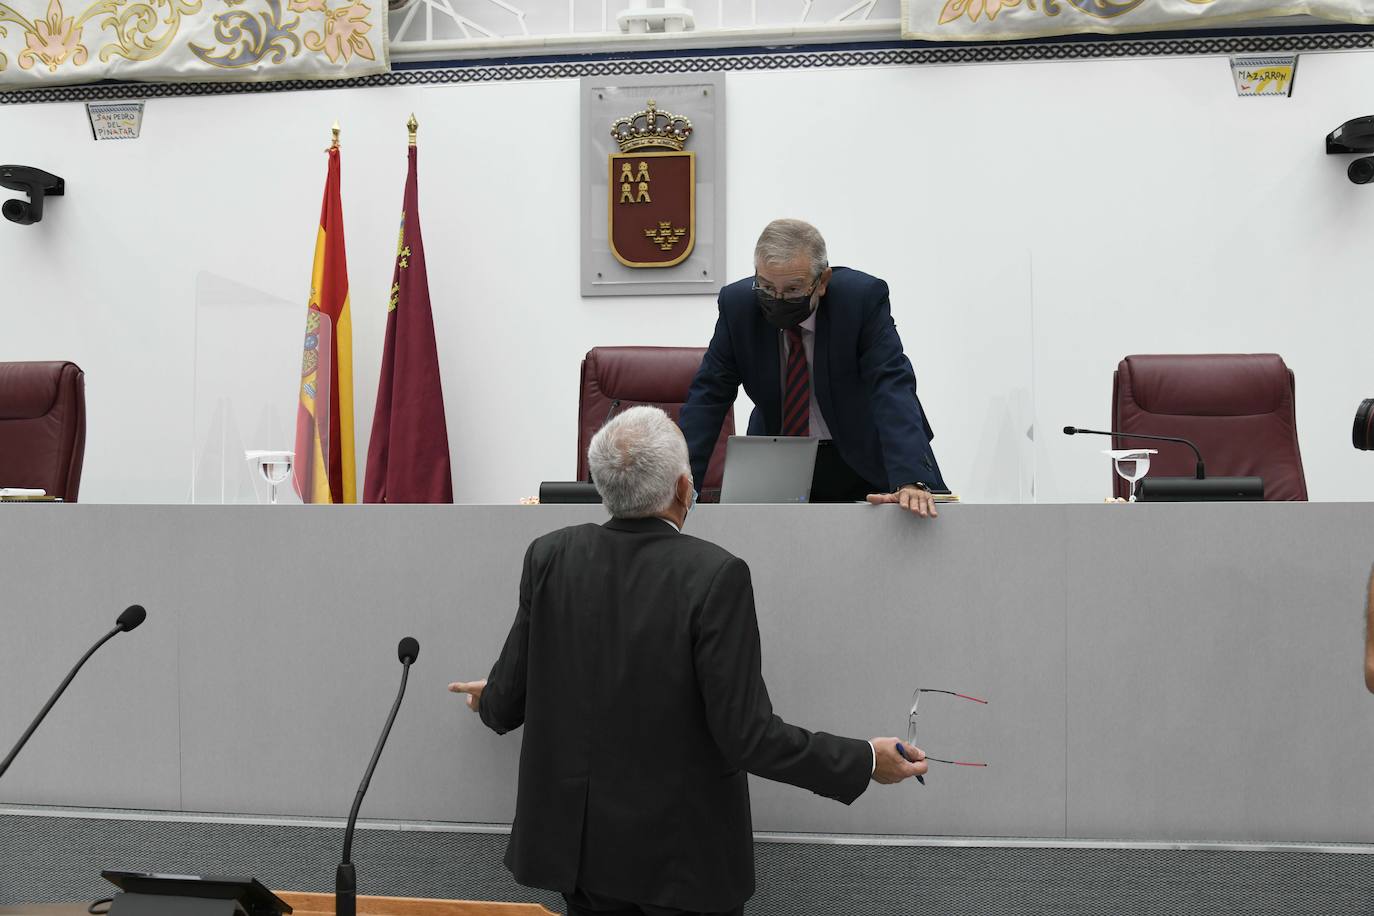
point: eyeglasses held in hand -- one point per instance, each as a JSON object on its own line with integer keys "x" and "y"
{"x": 911, "y": 723}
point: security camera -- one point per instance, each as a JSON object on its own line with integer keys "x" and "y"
{"x": 1354, "y": 136}
{"x": 1361, "y": 171}
{"x": 36, "y": 183}
{"x": 1363, "y": 434}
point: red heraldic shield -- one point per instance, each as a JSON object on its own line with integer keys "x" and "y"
{"x": 653, "y": 207}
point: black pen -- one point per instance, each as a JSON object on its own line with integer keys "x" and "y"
{"x": 901, "y": 750}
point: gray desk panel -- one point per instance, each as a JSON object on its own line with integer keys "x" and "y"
{"x": 272, "y": 634}
{"x": 877, "y": 603}
{"x": 1214, "y": 672}
{"x": 323, "y": 603}
{"x": 66, "y": 573}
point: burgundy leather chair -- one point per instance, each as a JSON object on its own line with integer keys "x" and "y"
{"x": 42, "y": 426}
{"x": 1237, "y": 407}
{"x": 617, "y": 378}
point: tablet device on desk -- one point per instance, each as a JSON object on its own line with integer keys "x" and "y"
{"x": 768, "y": 469}
{"x": 247, "y": 892}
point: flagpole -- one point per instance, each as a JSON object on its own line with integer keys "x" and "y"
{"x": 412, "y": 125}
{"x": 334, "y": 144}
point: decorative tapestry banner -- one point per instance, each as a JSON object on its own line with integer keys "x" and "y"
{"x": 50, "y": 42}
{"x": 1007, "y": 20}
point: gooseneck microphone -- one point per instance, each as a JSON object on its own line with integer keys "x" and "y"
{"x": 133, "y": 615}
{"x": 615, "y": 405}
{"x": 346, "y": 878}
{"x": 1185, "y": 489}
{"x": 579, "y": 494}
{"x": 1201, "y": 472}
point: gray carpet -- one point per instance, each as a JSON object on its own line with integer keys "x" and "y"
{"x": 55, "y": 858}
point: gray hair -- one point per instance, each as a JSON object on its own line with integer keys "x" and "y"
{"x": 636, "y": 460}
{"x": 783, "y": 239}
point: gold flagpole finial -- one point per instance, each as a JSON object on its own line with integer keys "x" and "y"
{"x": 412, "y": 125}
{"x": 334, "y": 144}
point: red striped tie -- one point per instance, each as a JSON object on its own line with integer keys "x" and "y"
{"x": 796, "y": 394}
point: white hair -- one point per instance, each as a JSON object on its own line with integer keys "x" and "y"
{"x": 635, "y": 462}
{"x": 783, "y": 239}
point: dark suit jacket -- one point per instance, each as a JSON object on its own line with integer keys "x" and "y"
{"x": 864, "y": 383}
{"x": 634, "y": 666}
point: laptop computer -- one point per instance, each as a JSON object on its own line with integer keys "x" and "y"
{"x": 768, "y": 469}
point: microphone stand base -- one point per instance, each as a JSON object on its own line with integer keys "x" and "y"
{"x": 346, "y": 890}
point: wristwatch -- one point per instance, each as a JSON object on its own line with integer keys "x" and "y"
{"x": 917, "y": 484}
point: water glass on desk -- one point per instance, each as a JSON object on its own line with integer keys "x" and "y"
{"x": 1131, "y": 464}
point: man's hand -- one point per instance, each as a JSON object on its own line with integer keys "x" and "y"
{"x": 472, "y": 688}
{"x": 913, "y": 499}
{"x": 890, "y": 767}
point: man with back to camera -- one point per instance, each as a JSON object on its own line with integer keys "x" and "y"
{"x": 634, "y": 665}
{"x": 1369, "y": 636}
{"x": 818, "y": 353}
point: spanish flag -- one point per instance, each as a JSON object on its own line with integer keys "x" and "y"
{"x": 324, "y": 465}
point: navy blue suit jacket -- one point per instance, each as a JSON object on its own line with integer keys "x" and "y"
{"x": 864, "y": 383}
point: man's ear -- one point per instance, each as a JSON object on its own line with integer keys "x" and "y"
{"x": 825, "y": 281}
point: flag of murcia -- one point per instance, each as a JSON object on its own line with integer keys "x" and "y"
{"x": 652, "y": 196}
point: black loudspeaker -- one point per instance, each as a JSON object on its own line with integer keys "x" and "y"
{"x": 567, "y": 491}
{"x": 191, "y": 895}
{"x": 1193, "y": 490}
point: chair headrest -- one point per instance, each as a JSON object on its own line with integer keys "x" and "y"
{"x": 1219, "y": 385}
{"x": 652, "y": 374}
{"x": 29, "y": 390}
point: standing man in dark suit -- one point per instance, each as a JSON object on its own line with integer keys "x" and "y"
{"x": 817, "y": 352}
{"x": 1369, "y": 635}
{"x": 634, "y": 665}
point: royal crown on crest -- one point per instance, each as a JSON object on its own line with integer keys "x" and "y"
{"x": 651, "y": 127}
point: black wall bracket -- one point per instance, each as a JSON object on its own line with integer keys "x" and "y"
{"x": 37, "y": 184}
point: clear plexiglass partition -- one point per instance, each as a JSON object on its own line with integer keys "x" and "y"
{"x": 248, "y": 362}
{"x": 970, "y": 339}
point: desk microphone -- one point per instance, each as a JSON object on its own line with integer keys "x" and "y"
{"x": 133, "y": 615}
{"x": 346, "y": 879}
{"x": 1186, "y": 489}
{"x": 1201, "y": 473}
{"x": 615, "y": 405}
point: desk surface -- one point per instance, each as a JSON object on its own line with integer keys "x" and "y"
{"x": 1156, "y": 672}
{"x": 323, "y": 905}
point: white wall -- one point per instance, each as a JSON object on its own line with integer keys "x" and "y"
{"x": 1036, "y": 222}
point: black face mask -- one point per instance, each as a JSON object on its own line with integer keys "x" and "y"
{"x": 783, "y": 313}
